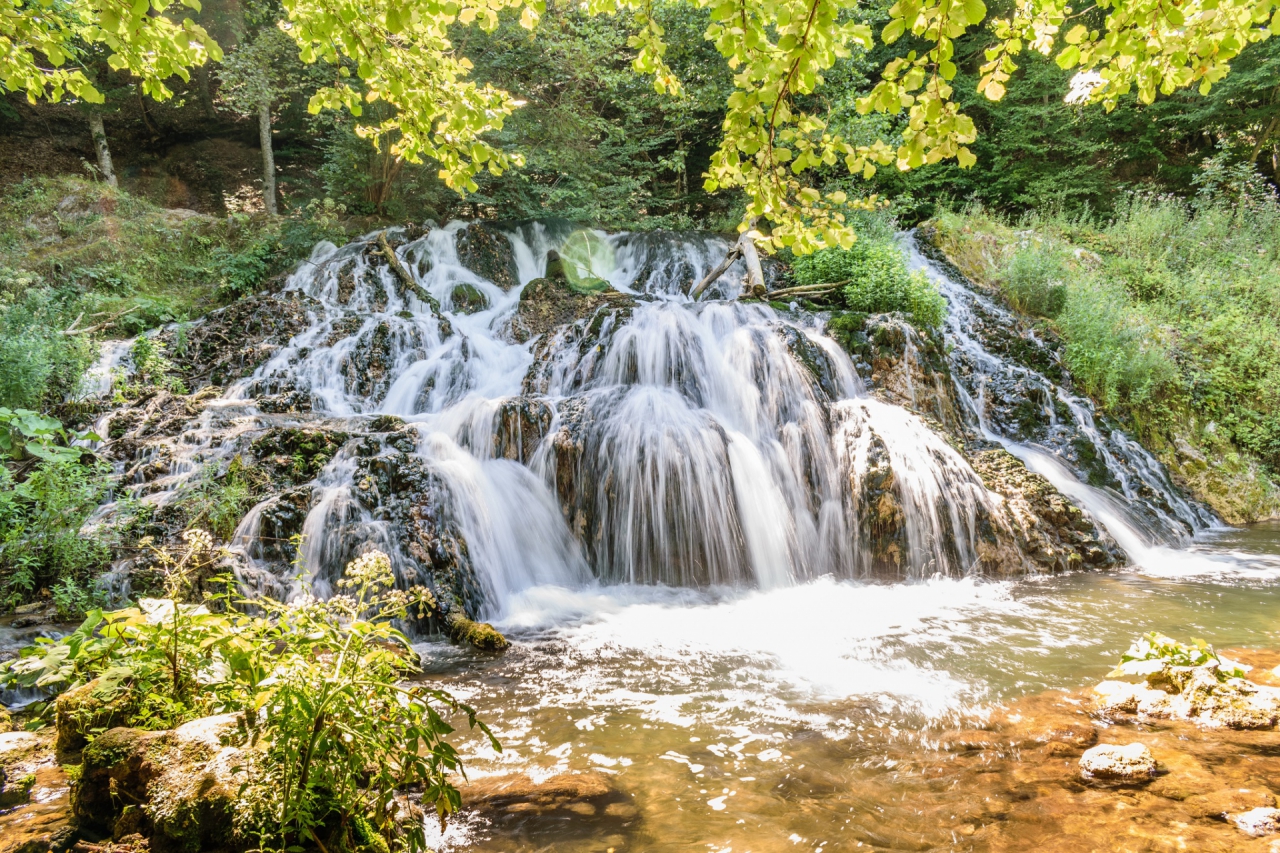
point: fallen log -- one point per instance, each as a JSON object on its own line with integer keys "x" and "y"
{"x": 406, "y": 279}
{"x": 745, "y": 248}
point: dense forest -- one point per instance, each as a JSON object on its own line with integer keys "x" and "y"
{"x": 341, "y": 345}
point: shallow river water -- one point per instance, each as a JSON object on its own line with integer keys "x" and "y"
{"x": 808, "y": 718}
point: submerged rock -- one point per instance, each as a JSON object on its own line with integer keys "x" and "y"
{"x": 1257, "y": 822}
{"x": 568, "y": 796}
{"x": 1132, "y": 763}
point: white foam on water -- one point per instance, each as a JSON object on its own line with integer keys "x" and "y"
{"x": 821, "y": 640}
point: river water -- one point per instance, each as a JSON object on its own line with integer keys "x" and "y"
{"x": 801, "y": 718}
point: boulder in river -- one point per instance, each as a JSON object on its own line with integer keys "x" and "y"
{"x": 1110, "y": 762}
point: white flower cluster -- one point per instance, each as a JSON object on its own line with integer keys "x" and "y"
{"x": 198, "y": 541}
{"x": 373, "y": 568}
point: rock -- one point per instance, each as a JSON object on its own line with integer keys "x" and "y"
{"x": 1123, "y": 697}
{"x": 552, "y": 301}
{"x": 186, "y": 780}
{"x": 1052, "y": 531}
{"x": 482, "y": 635}
{"x": 1131, "y": 764}
{"x": 231, "y": 343}
{"x": 1257, "y": 822}
{"x": 89, "y": 707}
{"x": 15, "y": 746}
{"x": 488, "y": 254}
{"x": 569, "y": 796}
{"x": 467, "y": 299}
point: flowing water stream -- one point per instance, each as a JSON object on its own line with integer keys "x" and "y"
{"x": 682, "y": 559}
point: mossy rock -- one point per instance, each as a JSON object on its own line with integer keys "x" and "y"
{"x": 467, "y": 299}
{"x": 88, "y": 708}
{"x": 482, "y": 635}
{"x": 488, "y": 254}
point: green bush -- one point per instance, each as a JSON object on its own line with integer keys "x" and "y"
{"x": 41, "y": 544}
{"x": 324, "y": 687}
{"x": 876, "y": 280}
{"x": 1035, "y": 280}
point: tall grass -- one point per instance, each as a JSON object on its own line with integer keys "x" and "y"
{"x": 1170, "y": 310}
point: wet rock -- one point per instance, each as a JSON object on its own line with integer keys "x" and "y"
{"x": 186, "y": 781}
{"x": 1055, "y": 533}
{"x": 293, "y": 455}
{"x": 399, "y": 488}
{"x": 1196, "y": 694}
{"x": 232, "y": 342}
{"x": 1129, "y": 764}
{"x": 520, "y": 424}
{"x": 488, "y": 254}
{"x": 550, "y": 302}
{"x": 568, "y": 796}
{"x": 908, "y": 367}
{"x": 1257, "y": 822}
{"x": 15, "y": 746}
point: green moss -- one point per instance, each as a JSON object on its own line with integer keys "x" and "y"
{"x": 482, "y": 635}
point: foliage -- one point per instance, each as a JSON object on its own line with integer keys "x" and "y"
{"x": 1172, "y": 310}
{"x": 1154, "y": 647}
{"x": 403, "y": 71}
{"x": 41, "y": 543}
{"x": 26, "y": 433}
{"x": 38, "y": 363}
{"x": 344, "y": 733}
{"x": 875, "y": 279}
{"x": 321, "y": 686}
{"x": 1035, "y": 280}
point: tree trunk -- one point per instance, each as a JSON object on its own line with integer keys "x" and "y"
{"x": 268, "y": 160}
{"x": 99, "y": 134}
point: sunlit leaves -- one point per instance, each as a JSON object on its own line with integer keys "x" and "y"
{"x": 41, "y": 41}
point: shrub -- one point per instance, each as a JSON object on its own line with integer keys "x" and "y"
{"x": 41, "y": 544}
{"x": 1035, "y": 280}
{"x": 322, "y": 686}
{"x": 876, "y": 280}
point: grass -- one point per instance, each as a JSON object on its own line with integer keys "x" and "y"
{"x": 1170, "y": 316}
{"x": 76, "y": 255}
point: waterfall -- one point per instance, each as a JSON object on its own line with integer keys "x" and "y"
{"x": 1141, "y": 508}
{"x": 651, "y": 440}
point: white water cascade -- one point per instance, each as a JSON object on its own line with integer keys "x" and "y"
{"x": 662, "y": 441}
{"x": 1140, "y": 507}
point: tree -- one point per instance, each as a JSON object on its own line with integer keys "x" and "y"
{"x": 259, "y": 76}
{"x": 779, "y": 51}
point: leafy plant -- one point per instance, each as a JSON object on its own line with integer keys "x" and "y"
{"x": 1035, "y": 279}
{"x": 1157, "y": 648}
{"x": 876, "y": 280}
{"x": 41, "y": 542}
{"x": 322, "y": 685}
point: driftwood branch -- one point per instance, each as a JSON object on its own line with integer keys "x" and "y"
{"x": 745, "y": 248}
{"x": 406, "y": 279}
{"x": 804, "y": 290}
{"x": 72, "y": 331}
{"x": 733, "y": 254}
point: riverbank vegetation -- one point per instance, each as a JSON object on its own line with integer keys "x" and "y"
{"x": 1169, "y": 312}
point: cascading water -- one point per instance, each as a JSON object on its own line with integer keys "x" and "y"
{"x": 656, "y": 440}
{"x": 648, "y": 440}
{"x": 1135, "y": 500}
